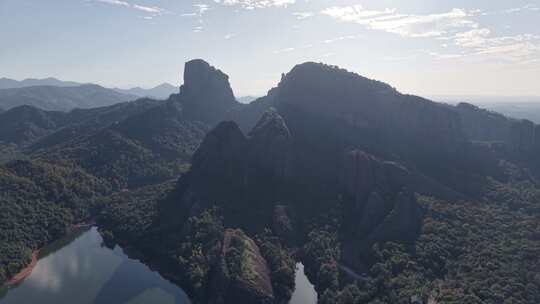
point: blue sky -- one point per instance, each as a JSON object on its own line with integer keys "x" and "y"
{"x": 474, "y": 47}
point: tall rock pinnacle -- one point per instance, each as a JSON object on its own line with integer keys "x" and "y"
{"x": 206, "y": 93}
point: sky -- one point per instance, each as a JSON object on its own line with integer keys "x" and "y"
{"x": 473, "y": 47}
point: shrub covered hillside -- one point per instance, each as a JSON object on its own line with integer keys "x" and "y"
{"x": 467, "y": 252}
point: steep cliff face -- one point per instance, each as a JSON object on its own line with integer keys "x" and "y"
{"x": 379, "y": 204}
{"x": 271, "y": 145}
{"x": 386, "y": 118}
{"x": 330, "y": 110}
{"x": 206, "y": 93}
{"x": 242, "y": 174}
{"x": 482, "y": 125}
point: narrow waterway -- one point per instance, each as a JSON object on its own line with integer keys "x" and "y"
{"x": 304, "y": 292}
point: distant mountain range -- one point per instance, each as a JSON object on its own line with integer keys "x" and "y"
{"x": 56, "y": 98}
{"x": 162, "y": 91}
{"x": 246, "y": 99}
{"x": 522, "y": 107}
{"x": 7, "y": 83}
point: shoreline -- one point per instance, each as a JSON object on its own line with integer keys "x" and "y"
{"x": 27, "y": 270}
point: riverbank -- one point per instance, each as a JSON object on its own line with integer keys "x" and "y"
{"x": 27, "y": 270}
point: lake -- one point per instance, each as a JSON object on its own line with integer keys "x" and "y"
{"x": 79, "y": 269}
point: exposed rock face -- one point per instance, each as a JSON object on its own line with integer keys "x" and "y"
{"x": 330, "y": 110}
{"x": 241, "y": 174}
{"x": 386, "y": 118}
{"x": 377, "y": 192}
{"x": 271, "y": 145}
{"x": 206, "y": 93}
{"x": 522, "y": 136}
{"x": 537, "y": 138}
{"x": 217, "y": 170}
{"x": 202, "y": 79}
{"x": 483, "y": 125}
{"x": 403, "y": 223}
{"x": 242, "y": 274}
{"x": 363, "y": 174}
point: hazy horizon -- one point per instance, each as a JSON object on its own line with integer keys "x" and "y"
{"x": 426, "y": 48}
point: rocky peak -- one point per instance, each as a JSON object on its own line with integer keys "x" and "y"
{"x": 224, "y": 144}
{"x": 206, "y": 94}
{"x": 271, "y": 145}
{"x": 271, "y": 124}
{"x": 203, "y": 80}
{"x": 327, "y": 89}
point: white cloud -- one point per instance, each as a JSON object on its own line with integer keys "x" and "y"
{"x": 229, "y": 36}
{"x": 201, "y": 8}
{"x": 521, "y": 47}
{"x": 340, "y": 38}
{"x": 528, "y": 7}
{"x": 472, "y": 38}
{"x": 286, "y": 50}
{"x": 303, "y": 15}
{"x": 115, "y": 2}
{"x": 148, "y": 9}
{"x": 253, "y": 4}
{"x": 153, "y": 10}
{"x": 405, "y": 25}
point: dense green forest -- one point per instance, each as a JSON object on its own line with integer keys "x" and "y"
{"x": 400, "y": 200}
{"x": 467, "y": 252}
{"x": 39, "y": 203}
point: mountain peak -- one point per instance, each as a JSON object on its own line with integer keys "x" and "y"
{"x": 313, "y": 73}
{"x": 271, "y": 122}
{"x": 206, "y": 93}
{"x": 200, "y": 77}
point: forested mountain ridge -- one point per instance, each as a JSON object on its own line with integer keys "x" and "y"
{"x": 385, "y": 197}
{"x": 62, "y": 98}
{"x": 161, "y": 91}
{"x": 155, "y": 144}
{"x": 7, "y": 83}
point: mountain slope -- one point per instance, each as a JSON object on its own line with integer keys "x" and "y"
{"x": 162, "y": 91}
{"x": 62, "y": 98}
{"x": 25, "y": 124}
{"x": 6, "y": 83}
{"x": 152, "y": 145}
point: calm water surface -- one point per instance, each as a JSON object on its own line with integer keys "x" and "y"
{"x": 78, "y": 269}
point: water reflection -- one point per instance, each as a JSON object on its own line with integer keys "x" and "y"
{"x": 304, "y": 292}
{"x": 80, "y": 270}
